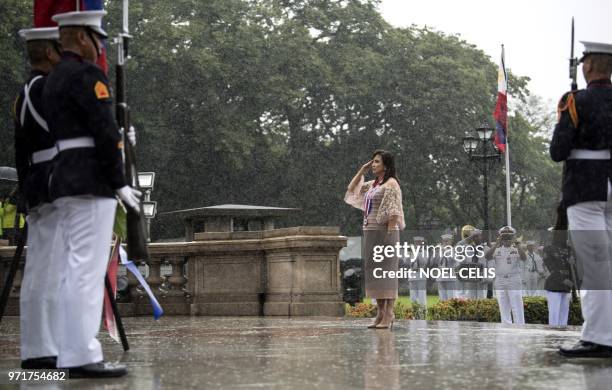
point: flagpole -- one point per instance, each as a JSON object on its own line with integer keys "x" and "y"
{"x": 507, "y": 154}
{"x": 508, "y": 198}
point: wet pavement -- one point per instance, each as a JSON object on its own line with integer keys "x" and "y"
{"x": 322, "y": 353}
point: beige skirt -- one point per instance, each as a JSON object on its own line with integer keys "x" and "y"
{"x": 379, "y": 288}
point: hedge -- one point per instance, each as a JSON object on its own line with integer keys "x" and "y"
{"x": 459, "y": 309}
{"x": 401, "y": 310}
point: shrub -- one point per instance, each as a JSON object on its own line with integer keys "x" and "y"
{"x": 575, "y": 313}
{"x": 461, "y": 309}
{"x": 419, "y": 311}
{"x": 536, "y": 310}
{"x": 360, "y": 310}
{"x": 403, "y": 311}
{"x": 367, "y": 310}
{"x": 487, "y": 310}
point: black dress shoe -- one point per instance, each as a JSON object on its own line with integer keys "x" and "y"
{"x": 587, "y": 349}
{"x": 41, "y": 363}
{"x": 98, "y": 370}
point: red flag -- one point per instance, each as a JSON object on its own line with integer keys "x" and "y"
{"x": 45, "y": 9}
{"x": 501, "y": 108}
{"x": 111, "y": 273}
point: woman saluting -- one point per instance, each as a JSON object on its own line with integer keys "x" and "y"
{"x": 383, "y": 218}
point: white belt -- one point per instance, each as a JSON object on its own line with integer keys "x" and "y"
{"x": 74, "y": 143}
{"x": 587, "y": 154}
{"x": 44, "y": 155}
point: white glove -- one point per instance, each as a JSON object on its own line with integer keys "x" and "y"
{"x": 131, "y": 135}
{"x": 130, "y": 197}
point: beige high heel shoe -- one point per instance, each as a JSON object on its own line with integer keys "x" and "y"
{"x": 379, "y": 315}
{"x": 390, "y": 319}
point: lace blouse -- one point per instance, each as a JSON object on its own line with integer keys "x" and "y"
{"x": 390, "y": 205}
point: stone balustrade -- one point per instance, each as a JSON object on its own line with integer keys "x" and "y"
{"x": 281, "y": 272}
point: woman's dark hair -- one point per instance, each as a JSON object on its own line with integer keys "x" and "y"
{"x": 389, "y": 162}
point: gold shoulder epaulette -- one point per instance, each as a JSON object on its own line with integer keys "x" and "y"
{"x": 568, "y": 103}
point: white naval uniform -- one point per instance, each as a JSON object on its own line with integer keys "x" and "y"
{"x": 418, "y": 284}
{"x": 40, "y": 285}
{"x": 533, "y": 275}
{"x": 508, "y": 285}
{"x": 86, "y": 224}
{"x": 446, "y": 285}
{"x": 558, "y": 308}
{"x": 590, "y": 226}
{"x": 476, "y": 290}
{"x": 460, "y": 286}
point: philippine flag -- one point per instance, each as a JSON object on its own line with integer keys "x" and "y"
{"x": 501, "y": 108}
{"x": 108, "y": 316}
{"x": 45, "y": 9}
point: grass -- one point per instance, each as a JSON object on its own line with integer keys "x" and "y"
{"x": 431, "y": 300}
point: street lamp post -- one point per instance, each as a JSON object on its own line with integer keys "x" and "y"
{"x": 146, "y": 180}
{"x": 482, "y": 149}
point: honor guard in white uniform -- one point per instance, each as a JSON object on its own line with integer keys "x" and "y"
{"x": 34, "y": 154}
{"x": 87, "y": 176}
{"x": 446, "y": 284}
{"x": 583, "y": 139}
{"x": 418, "y": 284}
{"x": 460, "y": 285}
{"x": 507, "y": 258}
{"x": 472, "y": 289}
{"x": 533, "y": 272}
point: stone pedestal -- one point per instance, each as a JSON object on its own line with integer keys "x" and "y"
{"x": 286, "y": 272}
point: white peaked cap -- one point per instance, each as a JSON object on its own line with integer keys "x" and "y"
{"x": 530, "y": 243}
{"x": 446, "y": 236}
{"x": 507, "y": 230}
{"x": 418, "y": 238}
{"x": 91, "y": 19}
{"x": 595, "y": 48}
{"x": 43, "y": 33}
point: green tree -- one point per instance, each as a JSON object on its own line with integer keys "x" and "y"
{"x": 278, "y": 102}
{"x": 14, "y": 15}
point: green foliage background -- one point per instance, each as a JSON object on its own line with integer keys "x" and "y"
{"x": 278, "y": 102}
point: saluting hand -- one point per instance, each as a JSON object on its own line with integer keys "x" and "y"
{"x": 132, "y": 135}
{"x": 365, "y": 167}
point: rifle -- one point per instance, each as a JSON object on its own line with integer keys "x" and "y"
{"x": 561, "y": 224}
{"x": 573, "y": 63}
{"x": 136, "y": 226}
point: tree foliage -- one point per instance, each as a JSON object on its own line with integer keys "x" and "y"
{"x": 278, "y": 102}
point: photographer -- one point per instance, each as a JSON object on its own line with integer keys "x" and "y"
{"x": 8, "y": 212}
{"x": 559, "y": 283}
